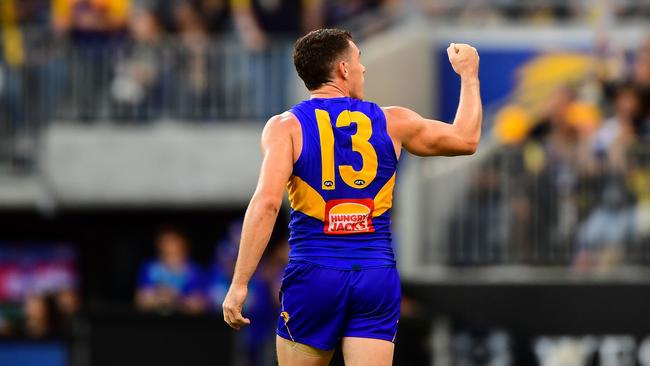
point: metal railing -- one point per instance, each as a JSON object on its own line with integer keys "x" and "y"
{"x": 203, "y": 80}
{"x": 129, "y": 81}
{"x": 526, "y": 205}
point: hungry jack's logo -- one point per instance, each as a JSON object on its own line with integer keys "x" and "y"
{"x": 349, "y": 216}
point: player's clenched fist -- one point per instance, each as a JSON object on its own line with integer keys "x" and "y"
{"x": 232, "y": 307}
{"x": 464, "y": 59}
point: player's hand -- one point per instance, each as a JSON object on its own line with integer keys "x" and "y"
{"x": 464, "y": 59}
{"x": 232, "y": 306}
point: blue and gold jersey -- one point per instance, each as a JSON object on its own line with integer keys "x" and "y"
{"x": 341, "y": 189}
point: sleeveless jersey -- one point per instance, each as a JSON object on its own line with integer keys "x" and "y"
{"x": 341, "y": 189}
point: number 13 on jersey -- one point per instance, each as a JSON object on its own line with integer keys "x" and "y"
{"x": 360, "y": 143}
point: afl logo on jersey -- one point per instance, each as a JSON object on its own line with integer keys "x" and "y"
{"x": 328, "y": 183}
{"x": 349, "y": 216}
{"x": 359, "y": 182}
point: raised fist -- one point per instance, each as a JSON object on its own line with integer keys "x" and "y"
{"x": 464, "y": 59}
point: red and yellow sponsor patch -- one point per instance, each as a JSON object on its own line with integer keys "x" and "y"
{"x": 349, "y": 216}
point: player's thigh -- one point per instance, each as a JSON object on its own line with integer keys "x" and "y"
{"x": 297, "y": 354}
{"x": 367, "y": 352}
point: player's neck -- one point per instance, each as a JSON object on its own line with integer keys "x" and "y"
{"x": 330, "y": 90}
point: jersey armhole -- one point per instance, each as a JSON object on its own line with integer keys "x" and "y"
{"x": 301, "y": 156}
{"x": 389, "y": 140}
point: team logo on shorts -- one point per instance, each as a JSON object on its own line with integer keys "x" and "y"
{"x": 349, "y": 216}
{"x": 285, "y": 316}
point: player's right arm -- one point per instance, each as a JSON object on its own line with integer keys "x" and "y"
{"x": 427, "y": 137}
{"x": 277, "y": 167}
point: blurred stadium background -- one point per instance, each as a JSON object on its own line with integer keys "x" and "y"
{"x": 129, "y": 147}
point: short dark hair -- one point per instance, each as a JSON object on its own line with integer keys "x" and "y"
{"x": 316, "y": 52}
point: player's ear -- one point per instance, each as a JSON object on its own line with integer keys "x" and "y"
{"x": 343, "y": 69}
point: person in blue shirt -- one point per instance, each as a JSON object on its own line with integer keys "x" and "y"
{"x": 261, "y": 301}
{"x": 172, "y": 282}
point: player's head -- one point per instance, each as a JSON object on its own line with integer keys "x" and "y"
{"x": 329, "y": 56}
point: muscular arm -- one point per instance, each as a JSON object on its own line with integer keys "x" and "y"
{"x": 261, "y": 213}
{"x": 427, "y": 137}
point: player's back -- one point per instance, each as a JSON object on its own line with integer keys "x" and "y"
{"x": 342, "y": 184}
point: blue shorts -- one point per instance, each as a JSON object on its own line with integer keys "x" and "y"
{"x": 320, "y": 305}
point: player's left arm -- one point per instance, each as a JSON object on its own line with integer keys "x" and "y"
{"x": 427, "y": 137}
{"x": 277, "y": 166}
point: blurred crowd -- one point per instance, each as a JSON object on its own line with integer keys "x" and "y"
{"x": 41, "y": 298}
{"x": 173, "y": 282}
{"x": 137, "y": 61}
{"x": 570, "y": 182}
{"x": 140, "y": 60}
{"x": 38, "y": 290}
{"x": 494, "y": 12}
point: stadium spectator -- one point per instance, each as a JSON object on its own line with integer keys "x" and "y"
{"x": 30, "y": 72}
{"x": 552, "y": 189}
{"x": 5, "y": 326}
{"x": 602, "y": 236}
{"x": 263, "y": 300}
{"x": 256, "y": 20}
{"x": 265, "y": 289}
{"x": 137, "y": 88}
{"x": 95, "y": 28}
{"x": 268, "y": 30}
{"x": 362, "y": 17}
{"x": 641, "y": 79}
{"x": 638, "y": 178}
{"x": 91, "y": 22}
{"x": 215, "y": 15}
{"x": 641, "y": 72}
{"x": 613, "y": 139}
{"x": 263, "y": 304}
{"x": 224, "y": 265}
{"x": 172, "y": 282}
{"x": 12, "y": 89}
{"x": 483, "y": 245}
{"x": 275, "y": 262}
{"x": 338, "y": 11}
{"x": 192, "y": 61}
{"x": 39, "y": 317}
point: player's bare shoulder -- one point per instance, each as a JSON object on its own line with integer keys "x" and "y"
{"x": 398, "y": 119}
{"x": 398, "y": 114}
{"x": 284, "y": 128}
{"x": 286, "y": 121}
